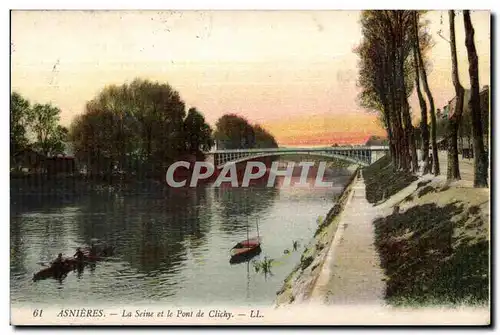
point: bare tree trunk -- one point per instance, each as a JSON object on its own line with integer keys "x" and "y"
{"x": 454, "y": 120}
{"x": 390, "y": 135}
{"x": 410, "y": 138}
{"x": 424, "y": 129}
{"x": 480, "y": 159}
{"x": 398, "y": 109}
{"x": 423, "y": 74}
{"x": 396, "y": 116}
{"x": 403, "y": 148}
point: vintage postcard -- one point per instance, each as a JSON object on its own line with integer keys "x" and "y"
{"x": 319, "y": 167}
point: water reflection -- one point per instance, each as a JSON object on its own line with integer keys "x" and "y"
{"x": 240, "y": 207}
{"x": 171, "y": 246}
{"x": 150, "y": 232}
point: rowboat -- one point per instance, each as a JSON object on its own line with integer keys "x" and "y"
{"x": 70, "y": 263}
{"x": 247, "y": 249}
{"x": 58, "y": 272}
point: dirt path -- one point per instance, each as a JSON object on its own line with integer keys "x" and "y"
{"x": 466, "y": 166}
{"x": 351, "y": 273}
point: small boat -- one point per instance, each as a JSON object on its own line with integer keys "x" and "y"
{"x": 245, "y": 250}
{"x": 52, "y": 271}
{"x": 241, "y": 253}
{"x": 71, "y": 263}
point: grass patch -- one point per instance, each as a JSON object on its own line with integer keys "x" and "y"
{"x": 431, "y": 259}
{"x": 382, "y": 181}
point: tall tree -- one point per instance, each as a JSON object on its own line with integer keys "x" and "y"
{"x": 424, "y": 130}
{"x": 20, "y": 116}
{"x": 140, "y": 127}
{"x": 454, "y": 120}
{"x": 198, "y": 132}
{"x": 92, "y": 139}
{"x": 423, "y": 75}
{"x": 49, "y": 135}
{"x": 386, "y": 78}
{"x": 234, "y": 132}
{"x": 480, "y": 158}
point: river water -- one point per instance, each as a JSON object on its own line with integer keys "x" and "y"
{"x": 170, "y": 248}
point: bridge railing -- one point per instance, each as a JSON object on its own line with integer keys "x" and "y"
{"x": 256, "y": 150}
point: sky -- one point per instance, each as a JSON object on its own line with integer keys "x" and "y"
{"x": 293, "y": 72}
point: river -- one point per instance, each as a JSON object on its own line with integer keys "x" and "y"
{"x": 171, "y": 248}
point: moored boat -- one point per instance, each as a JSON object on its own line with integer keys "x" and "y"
{"x": 246, "y": 249}
{"x": 243, "y": 252}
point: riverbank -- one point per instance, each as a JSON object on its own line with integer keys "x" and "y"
{"x": 59, "y": 186}
{"x": 299, "y": 284}
{"x": 400, "y": 241}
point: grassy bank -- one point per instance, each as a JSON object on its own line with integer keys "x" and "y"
{"x": 382, "y": 181}
{"x": 299, "y": 283}
{"x": 434, "y": 247}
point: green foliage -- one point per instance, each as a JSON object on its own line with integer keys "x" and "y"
{"x": 235, "y": 132}
{"x": 265, "y": 265}
{"x": 20, "y": 116}
{"x": 140, "y": 127}
{"x": 198, "y": 132}
{"x": 387, "y": 76}
{"x": 41, "y": 122}
{"x": 263, "y": 139}
{"x": 49, "y": 135}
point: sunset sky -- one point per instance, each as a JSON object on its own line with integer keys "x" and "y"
{"x": 293, "y": 72}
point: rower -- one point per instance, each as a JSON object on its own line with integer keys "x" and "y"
{"x": 58, "y": 263}
{"x": 79, "y": 255}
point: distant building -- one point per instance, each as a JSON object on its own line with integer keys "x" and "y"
{"x": 28, "y": 161}
{"x": 484, "y": 95}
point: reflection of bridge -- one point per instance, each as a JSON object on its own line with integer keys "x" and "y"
{"x": 362, "y": 155}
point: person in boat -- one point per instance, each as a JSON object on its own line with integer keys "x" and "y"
{"x": 79, "y": 255}
{"x": 58, "y": 263}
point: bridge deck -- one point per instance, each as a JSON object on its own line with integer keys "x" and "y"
{"x": 228, "y": 151}
{"x": 363, "y": 155}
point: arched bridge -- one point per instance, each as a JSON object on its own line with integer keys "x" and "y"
{"x": 362, "y": 155}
